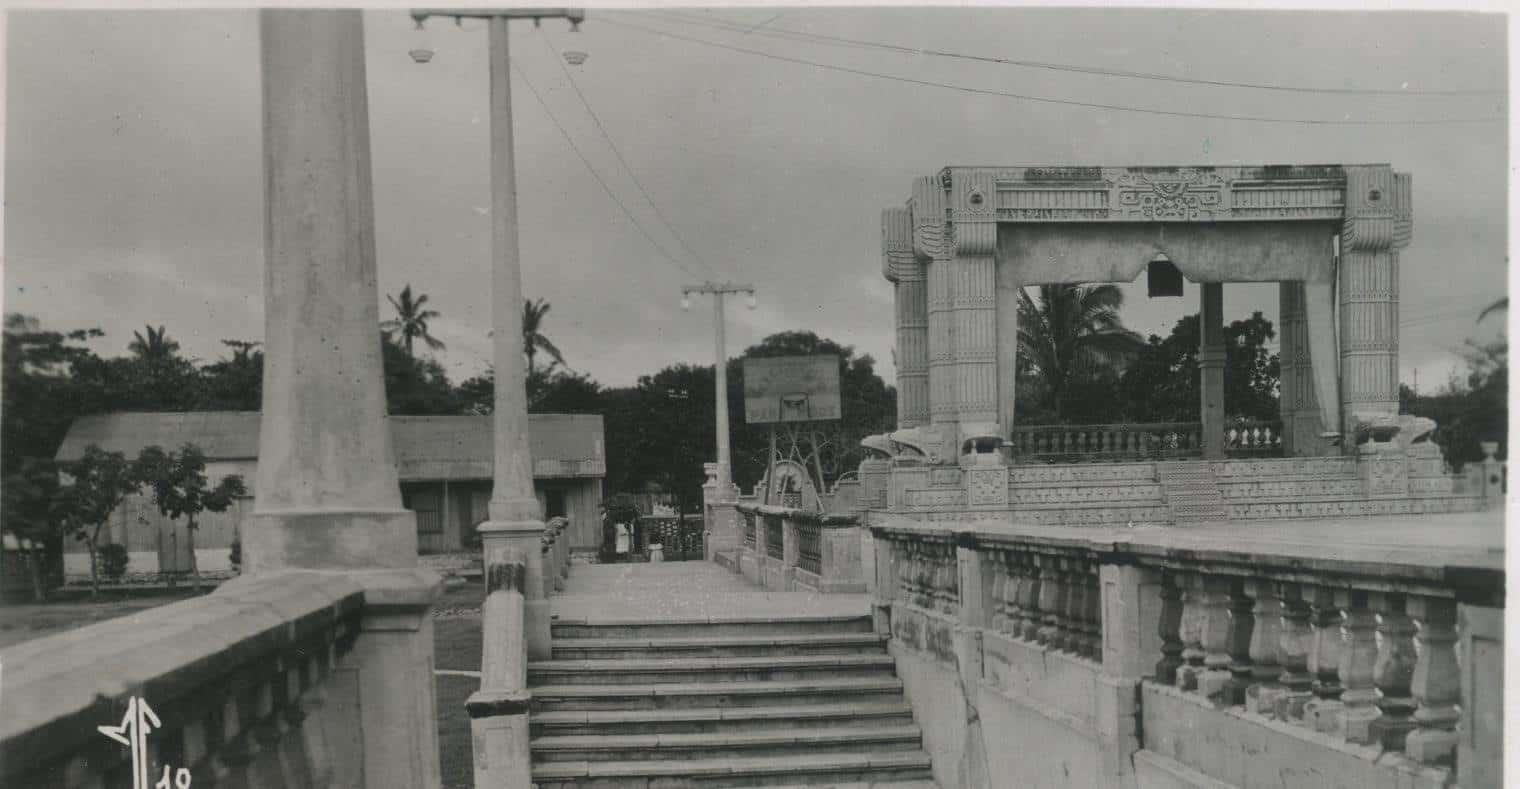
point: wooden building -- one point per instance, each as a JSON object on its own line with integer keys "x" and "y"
{"x": 444, "y": 464}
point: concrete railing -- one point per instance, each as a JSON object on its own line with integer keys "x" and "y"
{"x": 788, "y": 549}
{"x": 556, "y": 554}
{"x": 257, "y": 685}
{"x": 1167, "y": 659}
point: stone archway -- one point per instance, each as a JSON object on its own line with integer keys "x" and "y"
{"x": 971, "y": 236}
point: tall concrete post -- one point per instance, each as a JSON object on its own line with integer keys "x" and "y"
{"x": 1211, "y": 357}
{"x": 720, "y": 368}
{"x": 514, "y": 509}
{"x": 974, "y": 306}
{"x": 328, "y": 498}
{"x": 930, "y": 247}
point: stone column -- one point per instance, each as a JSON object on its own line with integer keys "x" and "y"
{"x": 931, "y": 247}
{"x": 514, "y": 509}
{"x": 1008, "y": 288}
{"x": 1377, "y": 226}
{"x": 328, "y": 495}
{"x": 910, "y": 292}
{"x": 1211, "y": 356}
{"x": 499, "y": 710}
{"x": 1302, "y": 421}
{"x": 974, "y": 303}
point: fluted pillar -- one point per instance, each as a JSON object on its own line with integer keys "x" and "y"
{"x": 1377, "y": 225}
{"x": 932, "y": 249}
{"x": 910, "y": 293}
{"x": 1302, "y": 422}
{"x": 974, "y": 303}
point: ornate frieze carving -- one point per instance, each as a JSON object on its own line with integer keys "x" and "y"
{"x": 988, "y": 486}
{"x": 1150, "y": 194}
{"x": 939, "y": 497}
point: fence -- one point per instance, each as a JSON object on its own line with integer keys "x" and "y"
{"x": 800, "y": 550}
{"x": 1161, "y": 440}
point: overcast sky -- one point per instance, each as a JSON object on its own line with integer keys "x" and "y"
{"x": 134, "y": 193}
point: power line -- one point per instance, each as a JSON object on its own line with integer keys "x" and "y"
{"x": 597, "y": 175}
{"x": 558, "y": 58}
{"x": 1046, "y": 99}
{"x": 779, "y": 32}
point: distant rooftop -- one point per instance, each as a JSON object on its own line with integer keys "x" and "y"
{"x": 427, "y": 447}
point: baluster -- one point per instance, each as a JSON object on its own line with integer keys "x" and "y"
{"x": 996, "y": 565}
{"x": 1167, "y": 626}
{"x": 1394, "y": 672}
{"x": 948, "y": 580}
{"x": 1293, "y": 654}
{"x": 1192, "y": 633}
{"x": 1013, "y": 595}
{"x": 1214, "y": 638}
{"x": 1068, "y": 639}
{"x": 1437, "y": 683}
{"x": 1266, "y": 634}
{"x": 1031, "y": 592}
{"x": 1323, "y": 713}
{"x": 1094, "y": 612}
{"x": 1359, "y": 659}
{"x": 1242, "y": 625}
{"x": 1052, "y": 602}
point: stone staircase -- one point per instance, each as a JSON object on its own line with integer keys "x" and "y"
{"x": 723, "y": 703}
{"x": 1192, "y": 493}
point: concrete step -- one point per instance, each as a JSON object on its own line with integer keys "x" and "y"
{"x": 800, "y": 770}
{"x": 669, "y": 695}
{"x": 782, "y": 743}
{"x": 633, "y": 671}
{"x": 710, "y": 626}
{"x": 716, "y": 719}
{"x": 719, "y": 646}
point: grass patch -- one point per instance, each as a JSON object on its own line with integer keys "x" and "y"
{"x": 25, "y": 621}
{"x": 456, "y": 646}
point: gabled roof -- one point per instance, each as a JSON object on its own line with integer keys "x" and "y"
{"x": 427, "y": 447}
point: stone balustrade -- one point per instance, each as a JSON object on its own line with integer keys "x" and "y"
{"x": 1078, "y": 443}
{"x": 1174, "y": 653}
{"x": 256, "y": 685}
{"x": 788, "y": 549}
{"x": 1161, "y": 440}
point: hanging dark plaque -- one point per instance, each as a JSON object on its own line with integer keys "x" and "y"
{"x": 1163, "y": 279}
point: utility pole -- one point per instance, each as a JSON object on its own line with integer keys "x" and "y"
{"x": 718, "y": 291}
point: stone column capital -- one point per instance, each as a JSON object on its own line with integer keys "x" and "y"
{"x": 1379, "y": 210}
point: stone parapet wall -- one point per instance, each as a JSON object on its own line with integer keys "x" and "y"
{"x": 788, "y": 549}
{"x": 258, "y": 684}
{"x": 1197, "y": 658}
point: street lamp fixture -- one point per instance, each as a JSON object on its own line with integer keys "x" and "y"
{"x": 424, "y": 53}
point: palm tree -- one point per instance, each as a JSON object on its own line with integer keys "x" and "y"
{"x": 156, "y": 345}
{"x": 533, "y": 339}
{"x": 1073, "y": 330}
{"x": 411, "y": 320}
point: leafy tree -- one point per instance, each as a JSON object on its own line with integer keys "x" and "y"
{"x": 533, "y": 336}
{"x": 96, "y": 485}
{"x": 26, "y": 500}
{"x": 1073, "y": 333}
{"x": 561, "y": 392}
{"x": 1469, "y": 411}
{"x": 179, "y": 487}
{"x": 49, "y": 378}
{"x": 411, "y": 321}
{"x": 1162, "y": 383}
{"x": 234, "y": 383}
{"x": 413, "y": 385}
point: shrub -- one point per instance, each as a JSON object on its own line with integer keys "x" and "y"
{"x": 113, "y": 561}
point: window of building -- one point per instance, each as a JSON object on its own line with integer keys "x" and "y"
{"x": 554, "y": 503}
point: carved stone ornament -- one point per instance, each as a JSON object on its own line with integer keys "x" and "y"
{"x": 988, "y": 486}
{"x": 1185, "y": 195}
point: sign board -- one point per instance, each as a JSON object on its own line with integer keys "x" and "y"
{"x": 791, "y": 389}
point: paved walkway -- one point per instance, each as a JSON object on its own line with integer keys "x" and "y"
{"x": 685, "y": 592}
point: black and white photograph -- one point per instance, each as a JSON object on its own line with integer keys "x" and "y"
{"x": 668, "y": 396}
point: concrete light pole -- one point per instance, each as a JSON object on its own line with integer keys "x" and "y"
{"x": 718, "y": 291}
{"x": 513, "y": 535}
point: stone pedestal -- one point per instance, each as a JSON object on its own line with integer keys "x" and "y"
{"x": 722, "y": 531}
{"x": 524, "y": 537}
